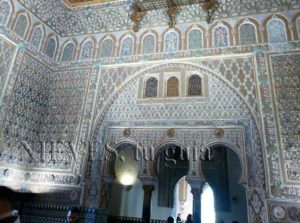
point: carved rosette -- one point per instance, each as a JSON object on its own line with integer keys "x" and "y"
{"x": 126, "y": 132}
{"x": 219, "y": 133}
{"x": 170, "y": 133}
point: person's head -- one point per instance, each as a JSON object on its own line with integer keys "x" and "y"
{"x": 73, "y": 215}
{"x": 170, "y": 220}
{"x": 189, "y": 217}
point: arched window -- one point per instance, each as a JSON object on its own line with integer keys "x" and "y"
{"x": 37, "y": 37}
{"x": 68, "y": 52}
{"x": 87, "y": 50}
{"x": 171, "y": 42}
{"x": 194, "y": 86}
{"x": 276, "y": 31}
{"x": 247, "y": 34}
{"x": 106, "y": 49}
{"x": 221, "y": 37}
{"x": 5, "y": 11}
{"x": 195, "y": 39}
{"x": 172, "y": 87}
{"x": 151, "y": 88}
{"x": 298, "y": 26}
{"x": 127, "y": 46}
{"x": 148, "y": 45}
{"x": 21, "y": 25}
{"x": 51, "y": 47}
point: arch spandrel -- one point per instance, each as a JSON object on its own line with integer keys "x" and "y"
{"x": 173, "y": 66}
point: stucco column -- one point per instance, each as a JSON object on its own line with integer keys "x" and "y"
{"x": 196, "y": 205}
{"x": 196, "y": 190}
{"x": 105, "y": 194}
{"x": 148, "y": 189}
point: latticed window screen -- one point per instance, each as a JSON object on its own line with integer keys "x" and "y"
{"x": 151, "y": 88}
{"x": 107, "y": 48}
{"x": 194, "y": 87}
{"x": 221, "y": 37}
{"x": 5, "y": 10}
{"x": 68, "y": 52}
{"x": 276, "y": 31}
{"x": 247, "y": 34}
{"x": 37, "y": 37}
{"x": 148, "y": 44}
{"x": 298, "y": 27}
{"x": 51, "y": 48}
{"x": 87, "y": 50}
{"x": 21, "y": 25}
{"x": 195, "y": 39}
{"x": 171, "y": 42}
{"x": 172, "y": 87}
{"x": 127, "y": 47}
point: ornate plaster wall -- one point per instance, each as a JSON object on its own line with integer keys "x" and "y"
{"x": 74, "y": 100}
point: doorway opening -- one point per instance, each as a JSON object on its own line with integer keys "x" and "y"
{"x": 208, "y": 214}
{"x": 222, "y": 172}
{"x": 183, "y": 199}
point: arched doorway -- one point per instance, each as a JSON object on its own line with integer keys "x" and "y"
{"x": 208, "y": 214}
{"x": 222, "y": 171}
{"x": 127, "y": 189}
{"x": 183, "y": 204}
{"x": 171, "y": 164}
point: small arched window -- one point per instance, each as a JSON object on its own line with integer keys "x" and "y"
{"x": 276, "y": 31}
{"x": 68, "y": 52}
{"x": 21, "y": 25}
{"x": 5, "y": 11}
{"x": 87, "y": 50}
{"x": 194, "y": 86}
{"x": 298, "y": 26}
{"x": 195, "y": 39}
{"x": 173, "y": 87}
{"x": 148, "y": 45}
{"x": 37, "y": 37}
{"x": 51, "y": 47}
{"x": 171, "y": 42}
{"x": 127, "y": 47}
{"x": 151, "y": 88}
{"x": 247, "y": 34}
{"x": 221, "y": 37}
{"x": 106, "y": 49}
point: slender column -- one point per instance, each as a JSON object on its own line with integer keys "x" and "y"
{"x": 105, "y": 195}
{"x": 148, "y": 189}
{"x": 196, "y": 204}
{"x": 196, "y": 185}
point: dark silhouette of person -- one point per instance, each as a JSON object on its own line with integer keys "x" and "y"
{"x": 189, "y": 219}
{"x": 73, "y": 215}
{"x": 170, "y": 220}
{"x": 8, "y": 200}
{"x": 178, "y": 219}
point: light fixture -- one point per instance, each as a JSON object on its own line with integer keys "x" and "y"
{"x": 127, "y": 179}
{"x": 126, "y": 166}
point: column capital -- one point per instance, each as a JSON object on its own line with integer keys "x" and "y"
{"x": 148, "y": 180}
{"x": 148, "y": 188}
{"x": 195, "y": 183}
